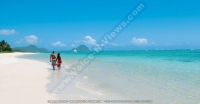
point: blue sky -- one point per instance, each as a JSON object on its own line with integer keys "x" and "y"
{"x": 65, "y": 24}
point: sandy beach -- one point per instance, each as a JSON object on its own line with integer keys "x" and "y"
{"x": 23, "y": 81}
{"x": 31, "y": 80}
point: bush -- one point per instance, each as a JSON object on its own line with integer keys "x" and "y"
{"x": 4, "y": 46}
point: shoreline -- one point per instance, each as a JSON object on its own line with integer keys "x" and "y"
{"x": 34, "y": 79}
{"x": 21, "y": 83}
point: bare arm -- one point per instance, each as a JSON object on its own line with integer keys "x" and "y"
{"x": 50, "y": 58}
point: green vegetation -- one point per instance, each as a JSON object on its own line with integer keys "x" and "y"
{"x": 5, "y": 47}
{"x": 31, "y": 48}
{"x": 81, "y": 48}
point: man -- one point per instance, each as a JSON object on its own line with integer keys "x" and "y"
{"x": 53, "y": 59}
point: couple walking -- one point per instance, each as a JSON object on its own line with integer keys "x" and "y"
{"x": 55, "y": 61}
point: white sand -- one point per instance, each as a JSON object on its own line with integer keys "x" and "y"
{"x": 23, "y": 81}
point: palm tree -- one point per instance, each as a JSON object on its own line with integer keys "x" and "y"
{"x": 0, "y": 46}
{"x": 4, "y": 46}
{"x": 8, "y": 48}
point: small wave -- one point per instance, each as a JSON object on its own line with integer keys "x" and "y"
{"x": 186, "y": 61}
{"x": 89, "y": 88}
{"x": 67, "y": 66}
{"x": 168, "y": 59}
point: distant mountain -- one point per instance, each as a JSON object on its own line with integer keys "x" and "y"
{"x": 31, "y": 48}
{"x": 81, "y": 48}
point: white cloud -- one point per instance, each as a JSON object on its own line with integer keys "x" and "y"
{"x": 90, "y": 41}
{"x": 73, "y": 45}
{"x": 58, "y": 43}
{"x": 19, "y": 41}
{"x": 32, "y": 39}
{"x": 153, "y": 43}
{"x": 7, "y": 32}
{"x": 139, "y": 41}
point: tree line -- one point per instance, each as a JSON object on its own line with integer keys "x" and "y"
{"x": 4, "y": 46}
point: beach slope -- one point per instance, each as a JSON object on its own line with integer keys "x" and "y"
{"x": 22, "y": 81}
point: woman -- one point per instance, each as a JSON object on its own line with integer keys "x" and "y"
{"x": 59, "y": 61}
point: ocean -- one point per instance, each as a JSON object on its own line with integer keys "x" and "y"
{"x": 162, "y": 76}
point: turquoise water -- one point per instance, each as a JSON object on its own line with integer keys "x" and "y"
{"x": 164, "y": 76}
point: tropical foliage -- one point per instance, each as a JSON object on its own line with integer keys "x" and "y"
{"x": 4, "y": 46}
